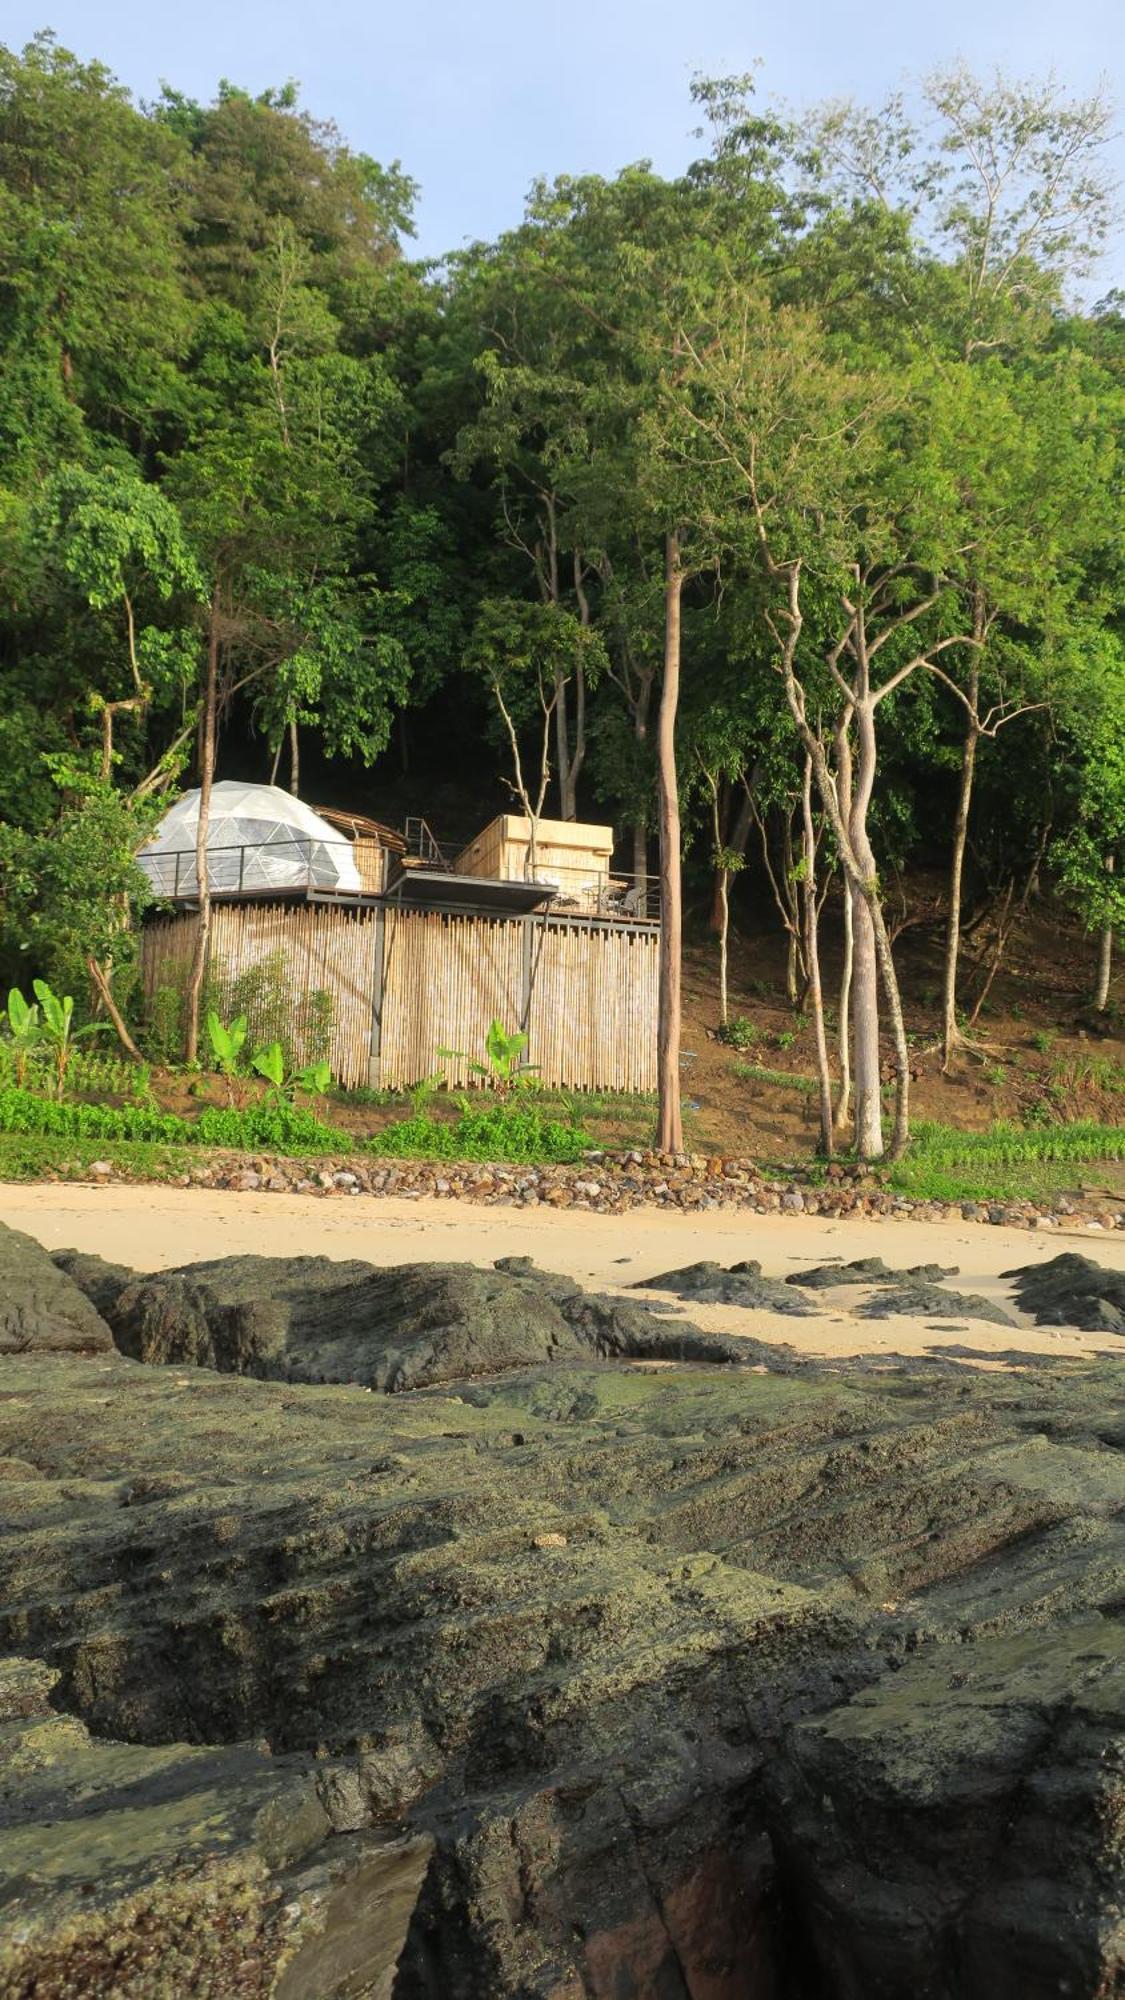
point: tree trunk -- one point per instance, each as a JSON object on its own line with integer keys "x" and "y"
{"x": 562, "y": 752}
{"x": 812, "y": 961}
{"x": 737, "y": 841}
{"x": 843, "y": 787}
{"x": 669, "y": 1136}
{"x": 950, "y": 1032}
{"x": 1103, "y": 957}
{"x": 99, "y": 976}
{"x": 844, "y": 1024}
{"x": 640, "y": 862}
{"x": 206, "y": 779}
{"x": 901, "y": 1135}
{"x": 294, "y": 759}
{"x": 724, "y": 937}
{"x": 1105, "y": 968}
{"x": 865, "y": 971}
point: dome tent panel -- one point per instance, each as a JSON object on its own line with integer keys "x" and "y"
{"x": 258, "y": 838}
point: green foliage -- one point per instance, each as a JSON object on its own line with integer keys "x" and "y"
{"x": 272, "y": 1126}
{"x": 1008, "y": 1162}
{"x": 781, "y": 1079}
{"x": 164, "y": 1031}
{"x": 501, "y": 1132}
{"x": 739, "y": 1033}
{"x": 59, "y": 1031}
{"x": 227, "y": 1043}
{"x": 503, "y": 1066}
{"x": 23, "y": 1032}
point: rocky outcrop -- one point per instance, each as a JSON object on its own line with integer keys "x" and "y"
{"x": 868, "y": 1271}
{"x": 1072, "y": 1291}
{"x": 583, "y": 1679}
{"x": 40, "y": 1310}
{"x": 740, "y": 1285}
{"x": 314, "y": 1319}
{"x": 927, "y": 1301}
{"x": 148, "y": 1872}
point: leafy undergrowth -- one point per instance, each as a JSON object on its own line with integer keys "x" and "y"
{"x": 273, "y": 1125}
{"x": 36, "y": 1156}
{"x": 520, "y": 1134}
{"x": 515, "y": 1133}
{"x": 1008, "y": 1162}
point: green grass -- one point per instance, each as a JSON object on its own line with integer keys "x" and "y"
{"x": 782, "y": 1079}
{"x": 33, "y": 1156}
{"x": 1006, "y": 1163}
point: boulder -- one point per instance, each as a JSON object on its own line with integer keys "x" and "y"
{"x": 41, "y": 1309}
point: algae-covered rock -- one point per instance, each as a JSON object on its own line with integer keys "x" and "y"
{"x": 926, "y": 1301}
{"x": 578, "y": 1679}
{"x": 868, "y": 1271}
{"x": 146, "y": 1872}
{"x": 313, "y": 1319}
{"x": 41, "y": 1310}
{"x": 741, "y": 1285}
{"x": 1070, "y": 1290}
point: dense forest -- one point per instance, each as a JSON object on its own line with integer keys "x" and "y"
{"x": 772, "y": 511}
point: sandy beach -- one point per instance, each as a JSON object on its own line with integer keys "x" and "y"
{"x": 154, "y": 1228}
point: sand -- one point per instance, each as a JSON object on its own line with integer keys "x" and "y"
{"x": 152, "y": 1228}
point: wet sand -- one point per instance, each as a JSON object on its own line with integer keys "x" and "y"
{"x": 152, "y": 1228}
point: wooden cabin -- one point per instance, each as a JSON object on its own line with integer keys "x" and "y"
{"x": 534, "y": 931}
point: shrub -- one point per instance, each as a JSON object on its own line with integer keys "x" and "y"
{"x": 741, "y": 1033}
{"x": 518, "y": 1133}
{"x": 275, "y": 1126}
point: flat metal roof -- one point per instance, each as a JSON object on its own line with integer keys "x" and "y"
{"x": 438, "y": 889}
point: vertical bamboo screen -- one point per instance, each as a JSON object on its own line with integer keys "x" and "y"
{"x": 592, "y": 1024}
{"x": 444, "y": 980}
{"x": 591, "y": 1020}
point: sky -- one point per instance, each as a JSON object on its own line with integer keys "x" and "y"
{"x": 476, "y": 100}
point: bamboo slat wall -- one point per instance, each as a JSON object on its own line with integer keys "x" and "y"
{"x": 444, "y": 980}
{"x": 592, "y": 1023}
{"x": 586, "y": 991}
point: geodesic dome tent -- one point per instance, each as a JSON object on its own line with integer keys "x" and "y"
{"x": 258, "y": 838}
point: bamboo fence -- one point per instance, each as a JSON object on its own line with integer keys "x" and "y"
{"x": 405, "y": 983}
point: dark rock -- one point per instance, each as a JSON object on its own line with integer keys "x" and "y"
{"x": 313, "y": 1319}
{"x": 102, "y": 1283}
{"x": 868, "y": 1271}
{"x": 1071, "y": 1290}
{"x": 923, "y": 1301}
{"x": 741, "y": 1285}
{"x": 584, "y": 1679}
{"x": 41, "y": 1310}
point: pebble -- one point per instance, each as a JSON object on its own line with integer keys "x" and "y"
{"x": 626, "y": 1180}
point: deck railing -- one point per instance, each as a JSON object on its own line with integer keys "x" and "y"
{"x": 328, "y": 867}
{"x": 255, "y": 869}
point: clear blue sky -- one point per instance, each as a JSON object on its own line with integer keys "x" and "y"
{"x": 477, "y": 99}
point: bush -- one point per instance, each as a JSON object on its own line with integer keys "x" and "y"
{"x": 518, "y": 1133}
{"x": 271, "y": 1127}
{"x": 741, "y": 1033}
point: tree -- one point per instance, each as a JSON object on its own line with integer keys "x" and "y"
{"x": 121, "y": 544}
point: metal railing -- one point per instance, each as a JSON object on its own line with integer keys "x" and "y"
{"x": 255, "y": 868}
{"x": 328, "y": 867}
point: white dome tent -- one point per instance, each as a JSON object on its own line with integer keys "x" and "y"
{"x": 258, "y": 838}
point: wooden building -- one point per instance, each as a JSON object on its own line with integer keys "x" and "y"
{"x": 432, "y": 951}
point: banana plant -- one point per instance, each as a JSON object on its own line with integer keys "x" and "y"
{"x": 503, "y": 1066}
{"x": 23, "y": 1032}
{"x": 270, "y": 1063}
{"x": 226, "y": 1047}
{"x": 59, "y": 1030}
